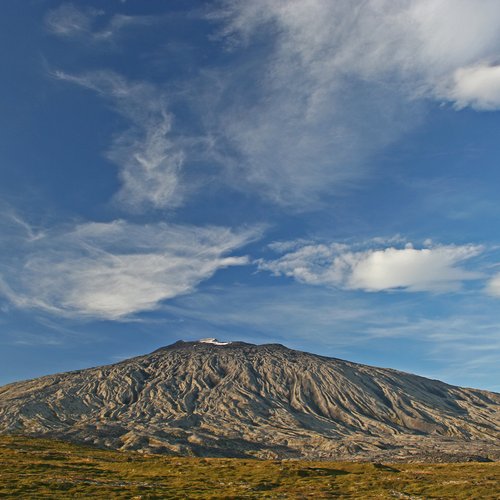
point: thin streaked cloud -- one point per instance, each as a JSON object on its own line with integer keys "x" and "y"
{"x": 114, "y": 270}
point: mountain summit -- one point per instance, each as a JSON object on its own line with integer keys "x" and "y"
{"x": 213, "y": 341}
{"x": 212, "y": 398}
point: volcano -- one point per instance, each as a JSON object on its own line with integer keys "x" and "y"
{"x": 233, "y": 399}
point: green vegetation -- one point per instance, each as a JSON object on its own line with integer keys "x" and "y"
{"x": 36, "y": 468}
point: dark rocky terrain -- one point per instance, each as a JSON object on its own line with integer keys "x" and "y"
{"x": 244, "y": 400}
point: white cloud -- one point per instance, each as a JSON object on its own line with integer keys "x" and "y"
{"x": 314, "y": 88}
{"x": 112, "y": 270}
{"x": 493, "y": 287}
{"x": 477, "y": 87}
{"x": 434, "y": 269}
{"x": 69, "y": 21}
{"x": 427, "y": 269}
{"x": 338, "y": 80}
{"x": 419, "y": 44}
{"x": 149, "y": 158}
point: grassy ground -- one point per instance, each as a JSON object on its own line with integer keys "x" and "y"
{"x": 34, "y": 468}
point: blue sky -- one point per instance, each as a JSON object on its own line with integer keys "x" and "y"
{"x": 322, "y": 174}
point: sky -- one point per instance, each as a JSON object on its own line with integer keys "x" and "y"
{"x": 317, "y": 173}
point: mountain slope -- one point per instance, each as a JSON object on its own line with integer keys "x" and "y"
{"x": 237, "y": 399}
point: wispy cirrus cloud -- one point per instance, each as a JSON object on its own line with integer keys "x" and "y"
{"x": 149, "y": 158}
{"x": 413, "y": 43}
{"x": 113, "y": 270}
{"x": 315, "y": 88}
{"x": 90, "y": 24}
{"x": 340, "y": 80}
{"x": 431, "y": 269}
{"x": 69, "y": 21}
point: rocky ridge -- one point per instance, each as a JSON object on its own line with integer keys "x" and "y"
{"x": 211, "y": 398}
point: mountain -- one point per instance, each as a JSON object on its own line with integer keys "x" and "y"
{"x": 211, "y": 398}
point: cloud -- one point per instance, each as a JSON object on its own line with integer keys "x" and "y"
{"x": 493, "y": 287}
{"x": 477, "y": 87}
{"x": 113, "y": 270}
{"x": 150, "y": 159}
{"x": 71, "y": 22}
{"x": 326, "y": 84}
{"x": 313, "y": 90}
{"x": 434, "y": 269}
{"x": 413, "y": 42}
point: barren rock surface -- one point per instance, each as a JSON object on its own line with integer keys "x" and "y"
{"x": 216, "y": 399}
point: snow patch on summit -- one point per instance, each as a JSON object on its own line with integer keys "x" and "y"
{"x": 213, "y": 341}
